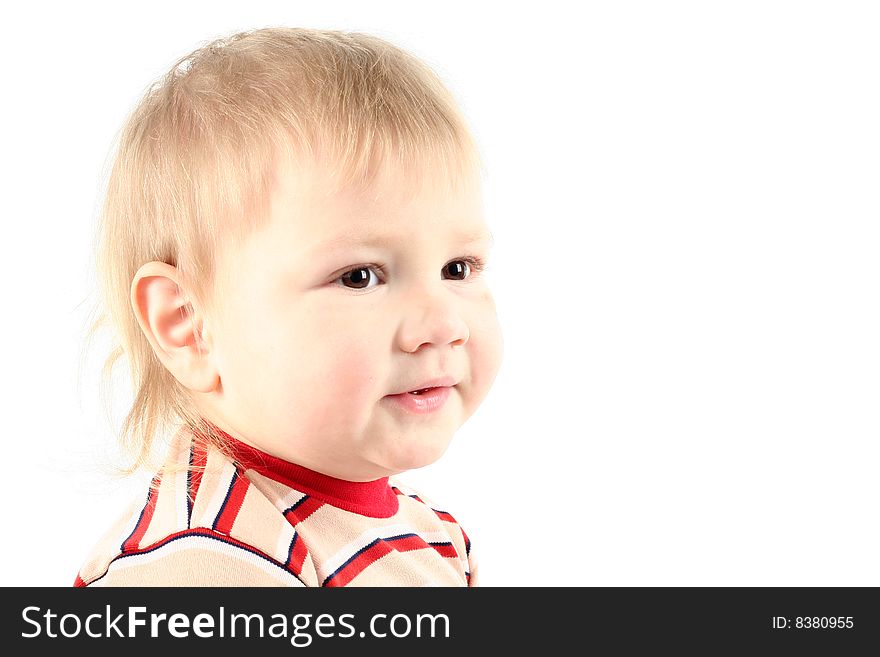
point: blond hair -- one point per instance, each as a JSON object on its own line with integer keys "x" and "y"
{"x": 194, "y": 167}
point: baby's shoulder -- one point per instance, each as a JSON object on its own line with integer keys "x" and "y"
{"x": 192, "y": 517}
{"x": 415, "y": 501}
{"x": 452, "y": 534}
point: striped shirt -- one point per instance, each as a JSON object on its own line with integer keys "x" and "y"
{"x": 256, "y": 520}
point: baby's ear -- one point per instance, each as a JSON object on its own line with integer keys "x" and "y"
{"x": 170, "y": 324}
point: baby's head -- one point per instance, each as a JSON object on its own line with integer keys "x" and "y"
{"x": 291, "y": 250}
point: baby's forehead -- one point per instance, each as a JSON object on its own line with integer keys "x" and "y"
{"x": 386, "y": 185}
{"x": 381, "y": 177}
{"x": 317, "y": 208}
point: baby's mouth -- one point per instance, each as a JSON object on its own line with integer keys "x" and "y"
{"x": 422, "y": 400}
{"x": 431, "y": 386}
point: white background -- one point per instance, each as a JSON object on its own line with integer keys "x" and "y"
{"x": 684, "y": 197}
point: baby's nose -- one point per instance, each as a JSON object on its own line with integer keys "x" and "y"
{"x": 432, "y": 322}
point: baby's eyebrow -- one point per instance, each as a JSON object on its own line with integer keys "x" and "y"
{"x": 373, "y": 240}
{"x": 482, "y": 236}
{"x": 473, "y": 237}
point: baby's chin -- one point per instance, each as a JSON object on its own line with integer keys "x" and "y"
{"x": 413, "y": 452}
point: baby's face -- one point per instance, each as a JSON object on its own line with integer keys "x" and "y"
{"x": 343, "y": 306}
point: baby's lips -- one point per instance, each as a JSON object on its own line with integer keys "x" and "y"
{"x": 444, "y": 381}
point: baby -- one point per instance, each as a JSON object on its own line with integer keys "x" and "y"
{"x": 291, "y": 252}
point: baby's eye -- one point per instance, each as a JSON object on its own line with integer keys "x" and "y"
{"x": 457, "y": 270}
{"x": 360, "y": 278}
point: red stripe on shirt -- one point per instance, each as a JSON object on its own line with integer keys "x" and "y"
{"x": 297, "y": 555}
{"x": 445, "y": 549}
{"x": 372, "y": 554}
{"x": 232, "y": 505}
{"x": 300, "y": 512}
{"x": 208, "y": 533}
{"x": 363, "y": 561}
{"x": 445, "y": 516}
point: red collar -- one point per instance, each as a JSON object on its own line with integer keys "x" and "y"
{"x": 374, "y": 499}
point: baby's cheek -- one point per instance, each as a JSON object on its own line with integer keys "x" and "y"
{"x": 352, "y": 372}
{"x": 486, "y": 349}
{"x": 341, "y": 384}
